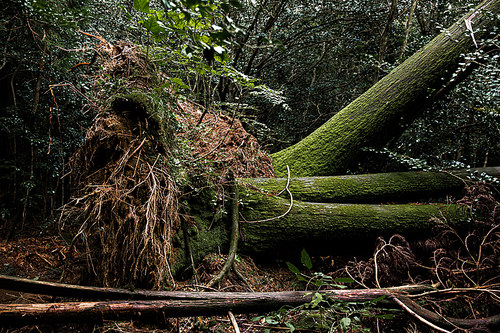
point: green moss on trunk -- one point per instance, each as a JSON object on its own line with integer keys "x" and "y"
{"x": 384, "y": 111}
{"x": 324, "y": 227}
{"x": 371, "y": 188}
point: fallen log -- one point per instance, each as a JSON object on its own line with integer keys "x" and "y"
{"x": 96, "y": 293}
{"x": 198, "y": 304}
{"x": 327, "y": 227}
{"x": 371, "y": 188}
{"x": 186, "y": 304}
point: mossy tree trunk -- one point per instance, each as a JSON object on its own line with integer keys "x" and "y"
{"x": 371, "y": 188}
{"x": 334, "y": 213}
{"x": 327, "y": 228}
{"x": 385, "y": 110}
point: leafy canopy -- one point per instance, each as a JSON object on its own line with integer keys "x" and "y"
{"x": 190, "y": 21}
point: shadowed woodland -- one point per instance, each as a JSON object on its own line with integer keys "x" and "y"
{"x": 215, "y": 166}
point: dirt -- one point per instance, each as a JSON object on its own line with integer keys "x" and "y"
{"x": 219, "y": 141}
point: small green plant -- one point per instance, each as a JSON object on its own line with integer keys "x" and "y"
{"x": 317, "y": 279}
{"x": 324, "y": 312}
{"x": 275, "y": 318}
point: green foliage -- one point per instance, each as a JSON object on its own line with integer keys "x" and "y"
{"x": 190, "y": 42}
{"x": 190, "y": 23}
{"x": 410, "y": 163}
{"x": 454, "y": 133}
{"x": 317, "y": 279}
{"x": 324, "y": 312}
{"x": 42, "y": 118}
{"x": 315, "y": 56}
{"x": 275, "y": 318}
{"x": 142, "y": 5}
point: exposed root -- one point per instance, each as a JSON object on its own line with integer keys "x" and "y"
{"x": 234, "y": 196}
{"x": 126, "y": 205}
{"x": 289, "y": 208}
{"x": 190, "y": 251}
{"x": 241, "y": 277}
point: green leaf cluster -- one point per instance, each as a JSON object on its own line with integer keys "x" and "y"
{"x": 188, "y": 24}
{"x": 324, "y": 312}
{"x": 317, "y": 279}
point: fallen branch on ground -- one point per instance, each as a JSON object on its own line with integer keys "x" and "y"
{"x": 181, "y": 304}
{"x": 158, "y": 305}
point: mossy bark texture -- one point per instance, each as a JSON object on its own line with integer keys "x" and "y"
{"x": 371, "y": 188}
{"x": 384, "y": 111}
{"x": 327, "y": 227}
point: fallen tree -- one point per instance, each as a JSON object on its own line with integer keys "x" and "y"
{"x": 383, "y": 112}
{"x": 149, "y": 205}
{"x": 371, "y": 188}
{"x": 126, "y": 187}
{"x": 332, "y": 227}
{"x": 99, "y": 293}
{"x": 155, "y": 307}
{"x": 156, "y": 312}
{"x": 207, "y": 304}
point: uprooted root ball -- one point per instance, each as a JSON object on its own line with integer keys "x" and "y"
{"x": 125, "y": 201}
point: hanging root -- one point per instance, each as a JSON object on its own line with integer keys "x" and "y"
{"x": 190, "y": 251}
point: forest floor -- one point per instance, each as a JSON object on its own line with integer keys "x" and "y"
{"x": 41, "y": 254}
{"x": 41, "y": 251}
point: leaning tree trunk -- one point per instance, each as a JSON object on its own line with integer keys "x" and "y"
{"x": 383, "y": 112}
{"x": 371, "y": 188}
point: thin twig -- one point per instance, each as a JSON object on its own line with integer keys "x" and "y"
{"x": 352, "y": 277}
{"x": 233, "y": 321}
{"x": 413, "y": 313}
{"x": 457, "y": 291}
{"x": 62, "y": 84}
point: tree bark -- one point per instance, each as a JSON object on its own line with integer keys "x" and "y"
{"x": 317, "y": 222}
{"x": 98, "y": 293}
{"x": 332, "y": 228}
{"x": 183, "y": 304}
{"x": 383, "y": 112}
{"x": 270, "y": 228}
{"x": 370, "y": 188}
{"x": 166, "y": 304}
